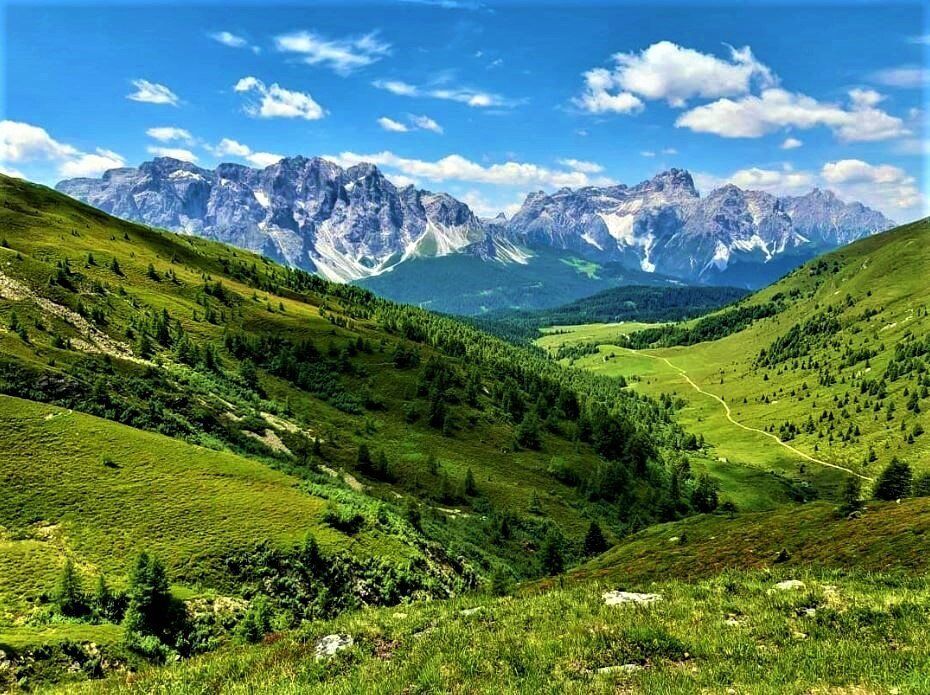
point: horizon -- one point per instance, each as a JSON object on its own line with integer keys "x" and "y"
{"x": 449, "y": 96}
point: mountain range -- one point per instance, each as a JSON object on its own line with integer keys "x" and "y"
{"x": 354, "y": 224}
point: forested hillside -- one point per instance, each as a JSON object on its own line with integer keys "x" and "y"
{"x": 630, "y": 303}
{"x": 403, "y": 440}
{"x": 832, "y": 359}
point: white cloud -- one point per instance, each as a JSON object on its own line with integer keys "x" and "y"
{"x": 173, "y": 152}
{"x": 922, "y": 39}
{"x": 755, "y": 116}
{"x": 10, "y": 171}
{"x": 582, "y": 165}
{"x": 463, "y": 95}
{"x": 903, "y": 76}
{"x": 277, "y": 102}
{"x": 426, "y": 123}
{"x": 227, "y": 38}
{"x": 415, "y": 123}
{"x": 152, "y": 93}
{"x": 483, "y": 207}
{"x": 454, "y": 167}
{"x": 598, "y": 99}
{"x": 91, "y": 164}
{"x": 24, "y": 143}
{"x": 342, "y": 55}
{"x": 671, "y": 72}
{"x": 668, "y": 71}
{"x": 880, "y": 186}
{"x": 397, "y": 87}
{"x": 857, "y": 171}
{"x": 170, "y": 134}
{"x": 400, "y": 180}
{"x": 228, "y": 146}
{"x": 263, "y": 159}
{"x": 791, "y": 144}
{"x": 782, "y": 182}
{"x": 671, "y": 151}
{"x": 392, "y": 126}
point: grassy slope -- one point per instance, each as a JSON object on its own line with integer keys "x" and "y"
{"x": 505, "y": 476}
{"x": 721, "y": 624}
{"x": 734, "y": 633}
{"x": 189, "y": 505}
{"x": 166, "y": 494}
{"x": 884, "y": 274}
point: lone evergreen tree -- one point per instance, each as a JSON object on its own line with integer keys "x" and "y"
{"x": 551, "y": 560}
{"x": 470, "y": 489}
{"x": 894, "y": 482}
{"x": 594, "y": 541}
{"x": 152, "y": 610}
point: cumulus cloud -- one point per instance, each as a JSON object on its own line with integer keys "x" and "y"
{"x": 91, "y": 164}
{"x": 22, "y": 143}
{"x": 227, "y": 38}
{"x": 782, "y": 181}
{"x": 776, "y": 108}
{"x": 277, "y": 102}
{"x": 667, "y": 71}
{"x": 671, "y": 72}
{"x": 598, "y": 98}
{"x": 152, "y": 93}
{"x": 791, "y": 144}
{"x": 170, "y": 134}
{"x": 463, "y": 95}
{"x": 341, "y": 55}
{"x": 173, "y": 152}
{"x": 228, "y": 146}
{"x": 455, "y": 167}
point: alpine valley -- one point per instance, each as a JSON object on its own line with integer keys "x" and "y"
{"x": 354, "y": 225}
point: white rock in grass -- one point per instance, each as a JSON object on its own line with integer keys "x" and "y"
{"x": 331, "y": 644}
{"x": 616, "y": 598}
{"x": 790, "y": 585}
{"x": 624, "y": 668}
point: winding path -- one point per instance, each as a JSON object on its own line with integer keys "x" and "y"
{"x": 736, "y": 422}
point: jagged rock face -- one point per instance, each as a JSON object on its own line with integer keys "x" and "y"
{"x": 309, "y": 213}
{"x": 663, "y": 225}
{"x": 353, "y": 223}
{"x": 824, "y": 219}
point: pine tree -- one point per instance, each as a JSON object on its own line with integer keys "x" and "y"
{"x": 894, "y": 482}
{"x": 69, "y": 593}
{"x": 470, "y": 488}
{"x": 551, "y": 560}
{"x": 594, "y": 541}
{"x": 151, "y": 609}
{"x": 852, "y": 495}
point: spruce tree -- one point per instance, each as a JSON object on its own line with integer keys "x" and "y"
{"x": 594, "y": 541}
{"x": 69, "y": 593}
{"x": 894, "y": 482}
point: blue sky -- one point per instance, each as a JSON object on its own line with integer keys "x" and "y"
{"x": 487, "y": 101}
